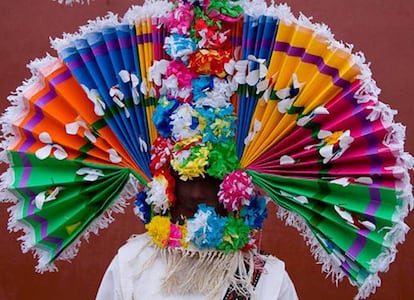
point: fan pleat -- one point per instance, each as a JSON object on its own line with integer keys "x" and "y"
{"x": 319, "y": 212}
{"x": 258, "y": 40}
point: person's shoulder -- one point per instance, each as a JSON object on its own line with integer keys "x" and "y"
{"x": 137, "y": 240}
{"x": 273, "y": 263}
{"x": 274, "y": 282}
{"x": 135, "y": 244}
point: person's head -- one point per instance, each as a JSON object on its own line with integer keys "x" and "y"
{"x": 190, "y": 193}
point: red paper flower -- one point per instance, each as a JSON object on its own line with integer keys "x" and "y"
{"x": 209, "y": 62}
{"x": 161, "y": 152}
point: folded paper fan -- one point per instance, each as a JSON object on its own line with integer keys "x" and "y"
{"x": 310, "y": 132}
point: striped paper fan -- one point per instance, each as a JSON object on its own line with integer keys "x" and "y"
{"x": 311, "y": 133}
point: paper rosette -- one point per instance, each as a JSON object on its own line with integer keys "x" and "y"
{"x": 311, "y": 132}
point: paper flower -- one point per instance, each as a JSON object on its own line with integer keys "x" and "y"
{"x": 255, "y": 213}
{"x": 335, "y": 144}
{"x": 177, "y": 236}
{"x": 114, "y": 156}
{"x": 157, "y": 71}
{"x": 161, "y": 193}
{"x": 219, "y": 124}
{"x": 217, "y": 94}
{"x": 287, "y": 96}
{"x": 50, "y": 148}
{"x": 142, "y": 209}
{"x": 257, "y": 72}
{"x": 345, "y": 181}
{"x": 91, "y": 174}
{"x": 73, "y": 129}
{"x": 184, "y": 122}
{"x": 190, "y": 158}
{"x": 159, "y": 230}
{"x": 46, "y": 196}
{"x": 237, "y": 69}
{"x": 118, "y": 97}
{"x": 200, "y": 85}
{"x": 209, "y": 33}
{"x": 133, "y": 81}
{"x": 257, "y": 125}
{"x": 303, "y": 120}
{"x": 94, "y": 96}
{"x": 222, "y": 159}
{"x": 294, "y": 197}
{"x": 179, "y": 47}
{"x": 162, "y": 114}
{"x": 181, "y": 72}
{"x": 206, "y": 228}
{"x": 286, "y": 160}
{"x": 235, "y": 190}
{"x": 143, "y": 147}
{"x": 209, "y": 61}
{"x": 236, "y": 235}
{"x": 161, "y": 152}
{"x": 180, "y": 18}
{"x": 354, "y": 219}
{"x": 226, "y": 10}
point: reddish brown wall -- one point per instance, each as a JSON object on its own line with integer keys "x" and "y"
{"x": 383, "y": 29}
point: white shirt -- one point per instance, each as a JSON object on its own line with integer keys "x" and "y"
{"x": 121, "y": 281}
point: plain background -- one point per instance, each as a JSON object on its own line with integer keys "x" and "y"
{"x": 382, "y": 29}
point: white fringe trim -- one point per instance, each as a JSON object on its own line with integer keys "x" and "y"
{"x": 97, "y": 25}
{"x": 329, "y": 265}
{"x": 151, "y": 8}
{"x": 394, "y": 140}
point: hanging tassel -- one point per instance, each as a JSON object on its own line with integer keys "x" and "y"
{"x": 210, "y": 272}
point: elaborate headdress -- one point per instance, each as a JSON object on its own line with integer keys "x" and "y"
{"x": 271, "y": 105}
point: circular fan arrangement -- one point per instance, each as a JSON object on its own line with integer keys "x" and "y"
{"x": 310, "y": 130}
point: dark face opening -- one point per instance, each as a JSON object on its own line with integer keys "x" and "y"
{"x": 189, "y": 194}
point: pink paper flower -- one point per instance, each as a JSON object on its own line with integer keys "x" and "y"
{"x": 235, "y": 190}
{"x": 180, "y": 19}
{"x": 176, "y": 236}
{"x": 183, "y": 74}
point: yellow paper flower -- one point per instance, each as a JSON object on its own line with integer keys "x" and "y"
{"x": 159, "y": 230}
{"x": 333, "y": 138}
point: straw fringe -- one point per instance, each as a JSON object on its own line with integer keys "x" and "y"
{"x": 209, "y": 272}
{"x": 206, "y": 271}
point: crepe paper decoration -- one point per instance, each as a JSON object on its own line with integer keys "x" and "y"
{"x": 92, "y": 128}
